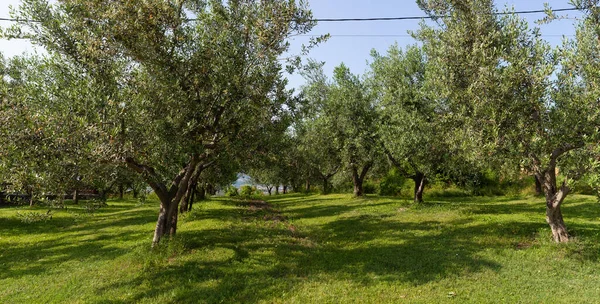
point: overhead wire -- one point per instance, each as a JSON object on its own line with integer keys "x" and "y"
{"x": 525, "y": 12}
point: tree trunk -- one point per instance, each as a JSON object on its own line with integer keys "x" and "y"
{"x": 419, "y": 179}
{"x": 358, "y": 183}
{"x": 161, "y": 223}
{"x": 210, "y": 189}
{"x": 121, "y": 191}
{"x": 557, "y": 224}
{"x": 538, "y": 187}
{"x": 193, "y": 196}
{"x": 358, "y": 179}
{"x": 269, "y": 189}
{"x": 76, "y": 197}
{"x": 285, "y": 189}
{"x": 307, "y": 188}
{"x": 277, "y": 190}
{"x": 202, "y": 193}
{"x": 169, "y": 198}
{"x": 31, "y": 202}
{"x": 135, "y": 192}
{"x": 325, "y": 185}
{"x": 103, "y": 195}
{"x": 554, "y": 198}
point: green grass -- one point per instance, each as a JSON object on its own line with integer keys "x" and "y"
{"x": 305, "y": 249}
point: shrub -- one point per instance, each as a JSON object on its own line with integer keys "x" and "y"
{"x": 391, "y": 184}
{"x": 231, "y": 191}
{"x": 248, "y": 191}
{"x": 369, "y": 187}
{"x": 33, "y": 217}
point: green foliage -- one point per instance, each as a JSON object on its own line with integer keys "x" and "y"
{"x": 342, "y": 131}
{"x": 247, "y": 191}
{"x": 29, "y": 217}
{"x": 231, "y": 191}
{"x": 391, "y": 184}
{"x": 140, "y": 85}
{"x": 370, "y": 187}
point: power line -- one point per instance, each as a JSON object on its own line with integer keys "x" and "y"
{"x": 432, "y": 17}
{"x": 374, "y": 18}
{"x": 393, "y": 35}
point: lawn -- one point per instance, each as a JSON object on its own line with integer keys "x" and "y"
{"x": 305, "y": 249}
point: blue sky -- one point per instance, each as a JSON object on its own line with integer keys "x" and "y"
{"x": 354, "y": 50}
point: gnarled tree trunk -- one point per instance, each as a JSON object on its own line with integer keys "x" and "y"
{"x": 419, "y": 179}
{"x": 554, "y": 199}
{"x": 358, "y": 179}
{"x": 169, "y": 198}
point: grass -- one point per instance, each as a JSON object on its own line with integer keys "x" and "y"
{"x": 305, "y": 249}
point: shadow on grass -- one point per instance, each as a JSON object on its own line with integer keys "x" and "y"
{"x": 268, "y": 259}
{"x": 255, "y": 259}
{"x": 62, "y": 239}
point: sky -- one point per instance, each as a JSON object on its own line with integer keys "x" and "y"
{"x": 352, "y": 42}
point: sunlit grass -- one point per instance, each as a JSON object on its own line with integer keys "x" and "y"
{"x": 305, "y": 249}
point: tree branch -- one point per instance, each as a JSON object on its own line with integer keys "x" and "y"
{"x": 149, "y": 176}
{"x": 562, "y": 150}
{"x": 560, "y": 195}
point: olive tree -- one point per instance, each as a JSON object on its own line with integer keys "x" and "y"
{"x": 412, "y": 135}
{"x": 348, "y": 120}
{"x": 495, "y": 76}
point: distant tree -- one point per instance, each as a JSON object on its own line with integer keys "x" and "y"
{"x": 45, "y": 149}
{"x": 413, "y": 137}
{"x": 348, "y": 121}
{"x": 317, "y": 142}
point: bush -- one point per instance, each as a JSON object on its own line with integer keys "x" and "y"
{"x": 248, "y": 191}
{"x": 369, "y": 187}
{"x": 34, "y": 217}
{"x": 391, "y": 184}
{"x": 231, "y": 191}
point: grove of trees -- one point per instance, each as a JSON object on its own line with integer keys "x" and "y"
{"x": 181, "y": 95}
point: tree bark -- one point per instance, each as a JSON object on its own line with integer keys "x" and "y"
{"x": 285, "y": 189}
{"x": 557, "y": 224}
{"x": 169, "y": 198}
{"x": 76, "y": 197}
{"x": 31, "y": 202}
{"x": 554, "y": 199}
{"x": 358, "y": 179}
{"x": 325, "y": 185}
{"x": 191, "y": 187}
{"x": 419, "y": 179}
{"x": 358, "y": 183}
{"x": 538, "y": 187}
{"x": 269, "y": 189}
{"x": 121, "y": 191}
{"x": 307, "y": 188}
{"x": 277, "y": 190}
{"x": 202, "y": 193}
